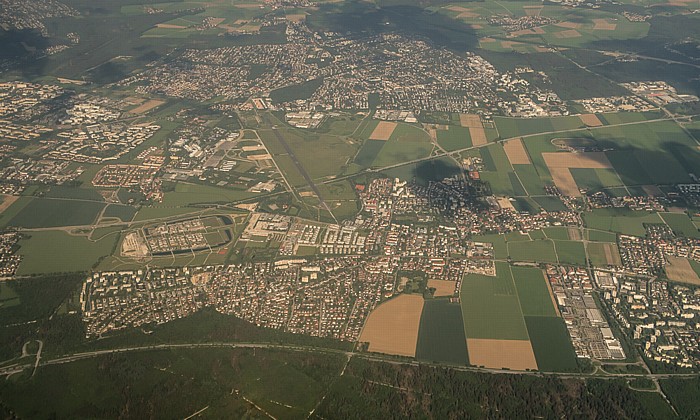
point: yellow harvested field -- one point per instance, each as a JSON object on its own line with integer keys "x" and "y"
{"x": 586, "y": 160}
{"x": 680, "y": 270}
{"x": 570, "y": 25}
{"x": 517, "y": 155}
{"x": 604, "y": 25}
{"x": 383, "y": 130}
{"x": 571, "y": 33}
{"x": 501, "y": 354}
{"x": 533, "y": 31}
{"x": 442, "y": 287}
{"x": 591, "y": 120}
{"x": 259, "y": 157}
{"x": 460, "y": 9}
{"x": 147, "y": 106}
{"x": 532, "y": 10}
{"x": 612, "y": 254}
{"x": 467, "y": 15}
{"x": 574, "y": 234}
{"x": 652, "y": 190}
{"x": 392, "y": 327}
{"x": 505, "y": 203}
{"x": 478, "y": 136}
{"x": 6, "y": 201}
{"x": 565, "y": 182}
{"x": 470, "y": 120}
{"x": 299, "y": 17}
{"x": 510, "y": 44}
{"x": 170, "y": 26}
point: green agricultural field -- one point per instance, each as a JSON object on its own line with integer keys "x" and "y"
{"x": 595, "y": 179}
{"x": 509, "y": 127}
{"x": 557, "y": 232}
{"x": 570, "y": 252}
{"x": 454, "y": 138}
{"x": 59, "y": 252}
{"x": 623, "y": 221}
{"x": 533, "y": 292}
{"x": 294, "y": 92}
{"x": 551, "y": 344}
{"x": 534, "y": 251}
{"x": 550, "y": 203}
{"x": 681, "y": 224}
{"x": 441, "y": 334}
{"x": 366, "y": 128}
{"x": 596, "y": 253}
{"x": 45, "y": 212}
{"x": 490, "y": 306}
{"x": 530, "y": 179}
{"x": 406, "y": 143}
{"x": 600, "y": 236}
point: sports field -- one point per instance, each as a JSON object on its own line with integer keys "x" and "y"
{"x": 392, "y": 327}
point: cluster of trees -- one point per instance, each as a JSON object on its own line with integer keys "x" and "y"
{"x": 381, "y": 390}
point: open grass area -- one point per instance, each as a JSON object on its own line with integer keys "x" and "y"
{"x": 551, "y": 344}
{"x": 491, "y": 308}
{"x": 46, "y": 212}
{"x": 59, "y": 252}
{"x": 441, "y": 334}
{"x": 533, "y": 292}
{"x": 186, "y": 194}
